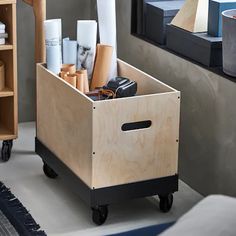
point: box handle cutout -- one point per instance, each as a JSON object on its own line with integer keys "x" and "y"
{"x": 136, "y": 125}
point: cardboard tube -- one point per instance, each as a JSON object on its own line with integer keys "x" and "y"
{"x": 102, "y": 66}
{"x": 71, "y": 79}
{"x": 2, "y": 76}
{"x": 63, "y": 74}
{"x": 80, "y": 82}
{"x": 69, "y": 68}
{"x": 86, "y": 82}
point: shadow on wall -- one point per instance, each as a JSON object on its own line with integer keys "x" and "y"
{"x": 69, "y": 11}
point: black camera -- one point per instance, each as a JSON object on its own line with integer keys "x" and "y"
{"x": 122, "y": 87}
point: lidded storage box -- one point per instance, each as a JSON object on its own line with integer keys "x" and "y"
{"x": 159, "y": 14}
{"x": 200, "y": 47}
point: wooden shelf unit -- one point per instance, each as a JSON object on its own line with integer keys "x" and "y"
{"x": 6, "y": 92}
{"x": 8, "y": 54}
{"x": 7, "y": 46}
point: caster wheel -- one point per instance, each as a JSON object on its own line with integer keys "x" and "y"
{"x": 166, "y": 202}
{"x": 100, "y": 215}
{"x": 49, "y": 172}
{"x": 6, "y": 150}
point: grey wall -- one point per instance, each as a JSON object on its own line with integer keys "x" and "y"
{"x": 208, "y": 128}
{"x": 69, "y": 11}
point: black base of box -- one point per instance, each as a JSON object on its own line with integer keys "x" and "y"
{"x": 199, "y": 47}
{"x": 107, "y": 195}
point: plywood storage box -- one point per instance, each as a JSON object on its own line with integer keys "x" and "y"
{"x": 88, "y": 136}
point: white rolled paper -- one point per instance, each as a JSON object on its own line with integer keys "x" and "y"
{"x": 59, "y": 21}
{"x": 2, "y": 31}
{"x": 107, "y": 29}
{"x": 2, "y": 26}
{"x": 69, "y": 51}
{"x": 2, "y": 41}
{"x": 53, "y": 45}
{"x": 87, "y": 41}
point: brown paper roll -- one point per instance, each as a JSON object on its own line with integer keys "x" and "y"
{"x": 2, "y": 76}
{"x": 86, "y": 82}
{"x": 63, "y": 74}
{"x": 71, "y": 79}
{"x": 102, "y": 66}
{"x": 80, "y": 82}
{"x": 69, "y": 68}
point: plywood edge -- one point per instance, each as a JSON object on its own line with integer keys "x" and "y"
{"x": 122, "y": 63}
{"x": 3, "y": 2}
{"x": 175, "y": 93}
{"x": 8, "y": 137}
{"x": 15, "y": 68}
{"x": 41, "y": 66}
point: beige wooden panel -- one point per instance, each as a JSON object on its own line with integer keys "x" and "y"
{"x": 124, "y": 157}
{"x": 7, "y": 2}
{"x": 6, "y": 92}
{"x": 6, "y": 46}
{"x": 146, "y": 83}
{"x": 64, "y": 122}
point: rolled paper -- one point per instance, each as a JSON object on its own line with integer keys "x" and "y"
{"x": 70, "y": 68}
{"x": 71, "y": 79}
{"x": 86, "y": 81}
{"x": 107, "y": 29}
{"x": 2, "y": 76}
{"x": 80, "y": 82}
{"x": 59, "y": 23}
{"x": 87, "y": 40}
{"x": 2, "y": 41}
{"x": 102, "y": 66}
{"x": 60, "y": 34}
{"x": 2, "y": 26}
{"x": 3, "y": 35}
{"x": 53, "y": 45}
{"x": 63, "y": 74}
{"x": 69, "y": 51}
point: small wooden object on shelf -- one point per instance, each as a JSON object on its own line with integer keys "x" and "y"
{"x": 8, "y": 95}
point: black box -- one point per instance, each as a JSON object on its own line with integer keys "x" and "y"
{"x": 199, "y": 47}
{"x": 158, "y": 14}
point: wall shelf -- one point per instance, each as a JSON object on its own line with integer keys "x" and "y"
{"x": 3, "y": 2}
{"x": 6, "y": 46}
{"x": 6, "y": 93}
{"x": 6, "y": 134}
{"x": 8, "y": 97}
